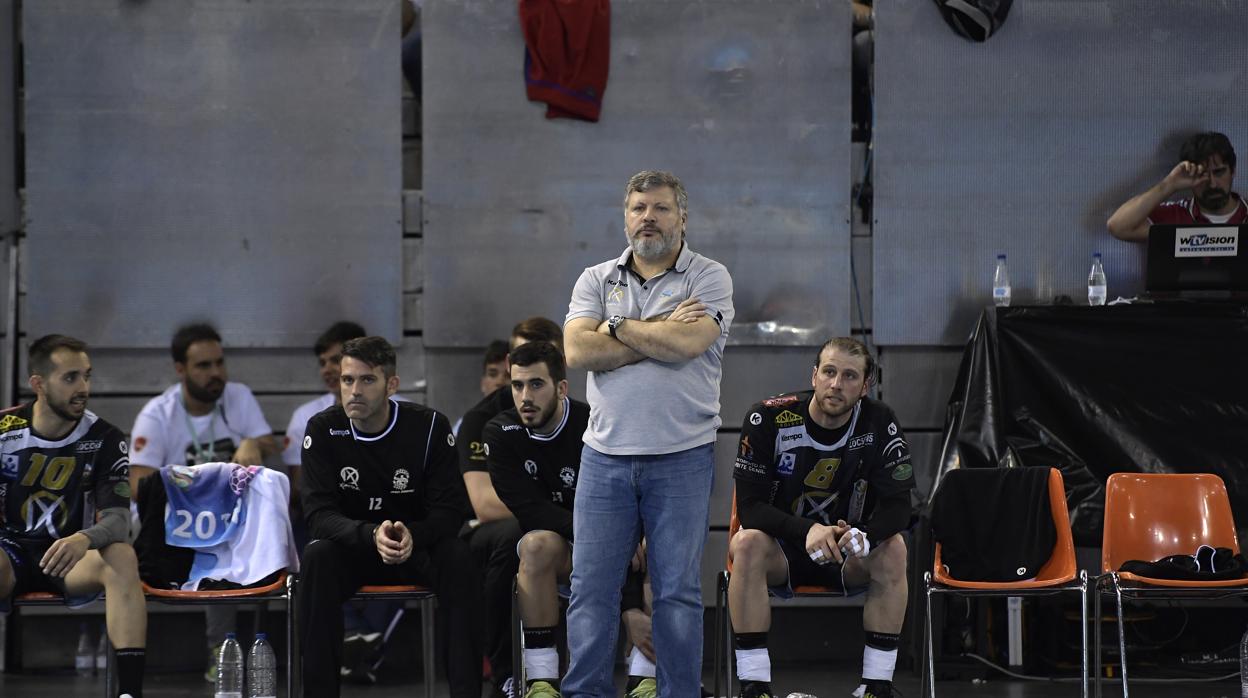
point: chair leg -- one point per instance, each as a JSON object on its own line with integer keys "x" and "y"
{"x": 1083, "y": 615}
{"x": 426, "y": 640}
{"x": 1096, "y": 637}
{"x": 927, "y": 625}
{"x": 1122, "y": 639}
{"x": 517, "y": 642}
{"x": 291, "y": 637}
{"x": 110, "y": 667}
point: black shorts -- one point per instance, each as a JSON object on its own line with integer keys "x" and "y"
{"x": 24, "y": 556}
{"x": 805, "y": 572}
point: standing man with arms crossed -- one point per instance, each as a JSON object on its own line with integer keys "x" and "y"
{"x": 823, "y": 492}
{"x": 60, "y": 468}
{"x": 203, "y": 418}
{"x": 384, "y": 501}
{"x": 1206, "y": 168}
{"x": 650, "y": 328}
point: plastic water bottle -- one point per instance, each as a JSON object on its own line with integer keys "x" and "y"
{"x": 800, "y": 695}
{"x": 261, "y": 669}
{"x": 101, "y": 652}
{"x": 1096, "y": 282}
{"x": 230, "y": 669}
{"x": 1001, "y": 283}
{"x": 84, "y": 657}
{"x": 1243, "y": 666}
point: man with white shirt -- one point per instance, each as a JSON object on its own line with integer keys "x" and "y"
{"x": 203, "y": 418}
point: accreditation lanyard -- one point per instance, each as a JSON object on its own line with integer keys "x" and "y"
{"x": 203, "y": 451}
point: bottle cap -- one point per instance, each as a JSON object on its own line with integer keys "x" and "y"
{"x": 262, "y": 636}
{"x": 1001, "y": 256}
{"x": 230, "y": 636}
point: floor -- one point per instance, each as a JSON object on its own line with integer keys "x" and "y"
{"x": 824, "y": 684}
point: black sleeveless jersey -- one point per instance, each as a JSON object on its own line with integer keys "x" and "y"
{"x": 50, "y": 489}
{"x": 535, "y": 474}
{"x": 819, "y": 474}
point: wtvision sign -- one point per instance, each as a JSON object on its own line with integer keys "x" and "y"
{"x": 1206, "y": 242}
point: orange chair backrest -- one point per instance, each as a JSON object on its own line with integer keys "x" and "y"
{"x": 1149, "y": 516}
{"x": 1061, "y": 566}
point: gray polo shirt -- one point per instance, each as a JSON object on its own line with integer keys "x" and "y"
{"x": 654, "y": 407}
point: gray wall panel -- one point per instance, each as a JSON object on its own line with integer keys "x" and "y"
{"x": 924, "y": 453}
{"x": 10, "y": 217}
{"x": 1027, "y": 143}
{"x": 749, "y": 105}
{"x": 754, "y": 373}
{"x": 917, "y": 382}
{"x": 219, "y": 159}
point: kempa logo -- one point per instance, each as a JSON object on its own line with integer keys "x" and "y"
{"x": 1206, "y": 242}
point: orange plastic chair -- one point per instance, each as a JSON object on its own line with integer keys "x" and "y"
{"x": 426, "y": 600}
{"x": 1058, "y": 574}
{"x": 1152, "y": 516}
{"x": 722, "y": 644}
{"x": 281, "y": 589}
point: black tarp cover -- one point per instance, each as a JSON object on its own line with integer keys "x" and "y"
{"x": 1098, "y": 390}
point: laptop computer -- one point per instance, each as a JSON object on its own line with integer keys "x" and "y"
{"x": 1197, "y": 261}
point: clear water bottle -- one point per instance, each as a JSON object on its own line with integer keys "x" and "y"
{"x": 800, "y": 695}
{"x": 1096, "y": 282}
{"x": 101, "y": 652}
{"x": 1243, "y": 666}
{"x": 1001, "y": 283}
{"x": 230, "y": 669}
{"x": 261, "y": 669}
{"x": 84, "y": 657}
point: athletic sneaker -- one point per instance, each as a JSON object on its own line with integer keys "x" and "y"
{"x": 360, "y": 657}
{"x": 210, "y": 675}
{"x": 878, "y": 689}
{"x": 541, "y": 689}
{"x": 646, "y": 688}
{"x": 756, "y": 689}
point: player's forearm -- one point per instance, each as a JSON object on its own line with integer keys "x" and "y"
{"x": 756, "y": 512}
{"x": 1129, "y": 221}
{"x": 488, "y": 507}
{"x": 590, "y": 351}
{"x": 112, "y": 526}
{"x": 665, "y": 341}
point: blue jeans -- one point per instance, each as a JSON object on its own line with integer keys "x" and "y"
{"x": 618, "y": 497}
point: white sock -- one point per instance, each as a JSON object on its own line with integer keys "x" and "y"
{"x": 541, "y": 663}
{"x": 878, "y": 665}
{"x": 754, "y": 665}
{"x": 640, "y": 665}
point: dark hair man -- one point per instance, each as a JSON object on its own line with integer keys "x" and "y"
{"x": 494, "y": 367}
{"x": 494, "y": 536}
{"x": 1206, "y": 168}
{"x": 823, "y": 483}
{"x": 64, "y": 502}
{"x": 203, "y": 418}
{"x": 383, "y": 503}
{"x": 650, "y": 327}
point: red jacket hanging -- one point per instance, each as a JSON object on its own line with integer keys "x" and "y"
{"x": 567, "y": 51}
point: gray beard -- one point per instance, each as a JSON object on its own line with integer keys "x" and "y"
{"x": 650, "y": 249}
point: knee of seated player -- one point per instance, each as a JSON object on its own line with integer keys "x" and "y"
{"x": 541, "y": 551}
{"x": 121, "y": 565}
{"x": 749, "y": 550}
{"x": 887, "y": 561}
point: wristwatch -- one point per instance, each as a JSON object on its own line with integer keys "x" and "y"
{"x": 613, "y": 323}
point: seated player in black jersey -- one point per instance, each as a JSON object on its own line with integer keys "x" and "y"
{"x": 493, "y": 534}
{"x": 823, "y": 482}
{"x": 60, "y": 467}
{"x": 384, "y": 501}
{"x": 533, "y": 452}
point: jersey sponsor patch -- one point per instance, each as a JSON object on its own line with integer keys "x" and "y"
{"x": 350, "y": 479}
{"x": 756, "y": 419}
{"x": 450, "y": 440}
{"x": 747, "y": 451}
{"x": 568, "y": 475}
{"x": 123, "y": 447}
{"x": 892, "y": 428}
{"x": 307, "y": 441}
{"x": 859, "y": 441}
{"x": 780, "y": 401}
{"x": 903, "y": 471}
{"x": 85, "y": 446}
{"x": 139, "y": 443}
{"x": 10, "y": 422}
{"x": 400, "y": 482}
{"x": 530, "y": 467}
{"x": 8, "y": 466}
{"x": 785, "y": 467}
{"x": 788, "y": 418}
{"x": 750, "y": 467}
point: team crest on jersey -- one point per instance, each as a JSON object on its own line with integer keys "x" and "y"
{"x": 350, "y": 479}
{"x": 401, "y": 479}
{"x": 11, "y": 421}
{"x": 780, "y": 401}
{"x": 615, "y": 295}
{"x": 788, "y": 418}
{"x": 785, "y": 467}
{"x": 8, "y": 466}
{"x": 530, "y": 467}
{"x": 568, "y": 475}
